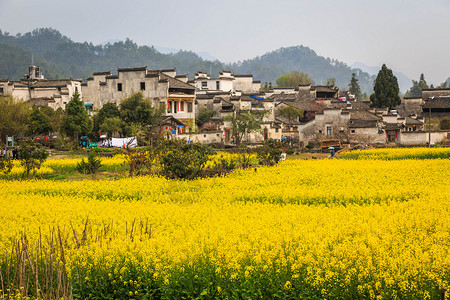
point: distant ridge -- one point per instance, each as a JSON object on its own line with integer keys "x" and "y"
{"x": 60, "y": 57}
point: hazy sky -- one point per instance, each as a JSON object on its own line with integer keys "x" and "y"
{"x": 410, "y": 36}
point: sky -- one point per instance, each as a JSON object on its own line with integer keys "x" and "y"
{"x": 409, "y": 36}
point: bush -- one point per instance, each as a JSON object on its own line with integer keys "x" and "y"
{"x": 31, "y": 156}
{"x": 92, "y": 165}
{"x": 309, "y": 146}
{"x": 225, "y": 164}
{"x": 179, "y": 159}
{"x": 269, "y": 154}
{"x": 139, "y": 161}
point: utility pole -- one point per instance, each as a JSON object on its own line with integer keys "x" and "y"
{"x": 429, "y": 121}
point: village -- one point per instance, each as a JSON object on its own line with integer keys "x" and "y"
{"x": 328, "y": 116}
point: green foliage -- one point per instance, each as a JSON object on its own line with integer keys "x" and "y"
{"x": 92, "y": 165}
{"x": 331, "y": 81}
{"x": 224, "y": 163}
{"x": 293, "y": 79}
{"x": 244, "y": 122}
{"x": 109, "y": 110}
{"x": 204, "y": 115}
{"x": 110, "y": 125}
{"x": 31, "y": 156}
{"x": 290, "y": 113}
{"x": 6, "y": 165}
{"x": 445, "y": 123}
{"x": 386, "y": 90}
{"x": 417, "y": 87}
{"x": 138, "y": 110}
{"x": 181, "y": 160}
{"x": 354, "y": 87}
{"x": 76, "y": 119}
{"x": 269, "y": 153}
{"x": 14, "y": 117}
{"x": 139, "y": 161}
{"x": 40, "y": 122}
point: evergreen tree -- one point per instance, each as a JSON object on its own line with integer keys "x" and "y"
{"x": 354, "y": 87}
{"x": 417, "y": 87}
{"x": 386, "y": 90}
{"x": 40, "y": 122}
{"x": 76, "y": 119}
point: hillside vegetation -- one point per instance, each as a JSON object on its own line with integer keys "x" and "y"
{"x": 60, "y": 57}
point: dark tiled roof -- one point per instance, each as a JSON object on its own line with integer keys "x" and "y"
{"x": 320, "y": 88}
{"x": 40, "y": 102}
{"x": 362, "y": 124}
{"x": 102, "y": 73}
{"x": 132, "y": 69}
{"x": 175, "y": 83}
{"x": 243, "y": 75}
{"x": 438, "y": 102}
{"x": 4, "y": 80}
{"x": 256, "y": 81}
{"x": 112, "y": 77}
{"x": 392, "y": 126}
{"x": 363, "y": 115}
{"x": 51, "y": 83}
{"x": 411, "y": 121}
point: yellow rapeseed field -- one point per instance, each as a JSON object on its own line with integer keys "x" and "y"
{"x": 314, "y": 229}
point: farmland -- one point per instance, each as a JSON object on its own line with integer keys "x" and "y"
{"x": 375, "y": 228}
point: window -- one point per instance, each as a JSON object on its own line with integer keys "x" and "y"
{"x": 76, "y": 89}
{"x": 189, "y": 107}
{"x": 119, "y": 87}
{"x": 182, "y": 106}
{"x": 353, "y": 131}
{"x": 59, "y": 89}
{"x": 320, "y": 131}
{"x": 1, "y": 90}
{"x": 204, "y": 85}
{"x": 329, "y": 131}
{"x": 217, "y": 85}
{"x": 142, "y": 86}
{"x": 276, "y": 129}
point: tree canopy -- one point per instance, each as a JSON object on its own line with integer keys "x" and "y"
{"x": 417, "y": 87}
{"x": 386, "y": 90}
{"x": 354, "y": 87}
{"x": 138, "y": 110}
{"x": 14, "y": 117}
{"x": 76, "y": 119}
{"x": 293, "y": 79}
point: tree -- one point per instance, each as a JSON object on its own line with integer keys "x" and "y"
{"x": 76, "y": 119}
{"x": 14, "y": 117}
{"x": 204, "y": 115}
{"x": 40, "y": 122}
{"x": 290, "y": 113}
{"x": 417, "y": 87}
{"x": 244, "y": 122}
{"x": 138, "y": 110}
{"x": 354, "y": 87}
{"x": 293, "y": 79}
{"x": 331, "y": 81}
{"x": 31, "y": 156}
{"x": 109, "y": 110}
{"x": 386, "y": 90}
{"x": 111, "y": 125}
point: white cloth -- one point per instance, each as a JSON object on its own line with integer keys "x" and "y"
{"x": 121, "y": 142}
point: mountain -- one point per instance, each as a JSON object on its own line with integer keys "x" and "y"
{"x": 59, "y": 56}
{"x": 272, "y": 65}
{"x": 404, "y": 82}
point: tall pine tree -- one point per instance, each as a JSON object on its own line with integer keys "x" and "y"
{"x": 76, "y": 119}
{"x": 417, "y": 87}
{"x": 354, "y": 87}
{"x": 386, "y": 90}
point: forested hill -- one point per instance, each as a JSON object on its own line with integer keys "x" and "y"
{"x": 60, "y": 57}
{"x": 299, "y": 58}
